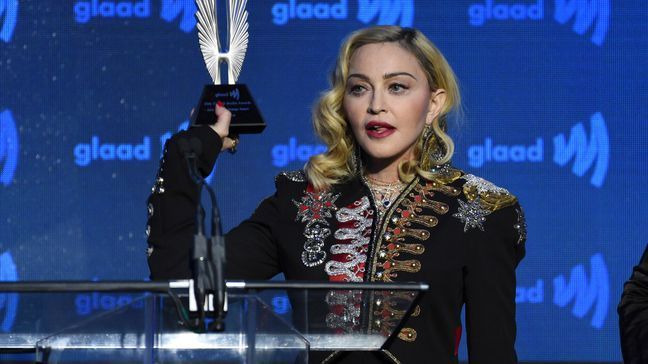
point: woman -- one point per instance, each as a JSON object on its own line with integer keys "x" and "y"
{"x": 633, "y": 314}
{"x": 382, "y": 204}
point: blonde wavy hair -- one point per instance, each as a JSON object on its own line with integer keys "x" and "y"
{"x": 434, "y": 147}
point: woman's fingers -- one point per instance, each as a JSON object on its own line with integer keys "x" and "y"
{"x": 230, "y": 144}
{"x": 223, "y": 119}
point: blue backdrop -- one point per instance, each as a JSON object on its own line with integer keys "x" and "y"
{"x": 552, "y": 92}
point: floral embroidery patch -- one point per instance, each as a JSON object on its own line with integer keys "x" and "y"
{"x": 313, "y": 209}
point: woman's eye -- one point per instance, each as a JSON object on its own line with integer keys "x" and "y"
{"x": 356, "y": 89}
{"x": 397, "y": 88}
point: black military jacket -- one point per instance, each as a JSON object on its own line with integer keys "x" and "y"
{"x": 459, "y": 233}
{"x": 633, "y": 314}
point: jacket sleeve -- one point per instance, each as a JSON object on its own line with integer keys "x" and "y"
{"x": 633, "y": 314}
{"x": 172, "y": 205}
{"x": 489, "y": 286}
{"x": 250, "y": 247}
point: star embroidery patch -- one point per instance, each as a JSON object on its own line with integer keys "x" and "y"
{"x": 315, "y": 207}
{"x": 472, "y": 214}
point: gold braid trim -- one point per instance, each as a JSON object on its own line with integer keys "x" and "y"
{"x": 407, "y": 334}
{"x": 445, "y": 174}
{"x": 490, "y": 196}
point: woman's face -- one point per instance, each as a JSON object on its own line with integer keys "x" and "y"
{"x": 388, "y": 100}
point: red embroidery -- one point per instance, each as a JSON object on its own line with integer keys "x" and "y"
{"x": 315, "y": 207}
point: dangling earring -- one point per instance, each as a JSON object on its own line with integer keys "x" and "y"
{"x": 431, "y": 149}
{"x": 356, "y": 161}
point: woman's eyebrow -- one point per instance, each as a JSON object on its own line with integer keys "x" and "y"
{"x": 394, "y": 74}
{"x": 385, "y": 76}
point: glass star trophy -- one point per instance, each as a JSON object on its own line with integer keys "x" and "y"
{"x": 246, "y": 118}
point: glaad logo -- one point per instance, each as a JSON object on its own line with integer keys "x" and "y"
{"x": 480, "y": 154}
{"x": 585, "y": 12}
{"x": 382, "y": 12}
{"x": 284, "y": 11}
{"x": 234, "y": 94}
{"x": 84, "y": 11}
{"x": 8, "y": 301}
{"x": 585, "y": 293}
{"x": 388, "y": 12}
{"x": 8, "y": 10}
{"x": 84, "y": 154}
{"x": 585, "y": 155}
{"x": 595, "y": 153}
{"x": 480, "y": 13}
{"x": 171, "y": 9}
{"x": 283, "y": 154}
{"x": 8, "y": 147}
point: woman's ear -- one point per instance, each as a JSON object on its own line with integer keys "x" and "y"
{"x": 437, "y": 100}
{"x": 429, "y": 118}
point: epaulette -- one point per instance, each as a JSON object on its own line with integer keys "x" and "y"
{"x": 294, "y": 176}
{"x": 491, "y": 197}
{"x": 445, "y": 173}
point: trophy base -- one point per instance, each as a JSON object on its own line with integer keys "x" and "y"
{"x": 246, "y": 118}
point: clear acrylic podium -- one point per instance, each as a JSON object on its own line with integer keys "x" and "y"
{"x": 267, "y": 322}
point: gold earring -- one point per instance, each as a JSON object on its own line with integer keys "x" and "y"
{"x": 432, "y": 149}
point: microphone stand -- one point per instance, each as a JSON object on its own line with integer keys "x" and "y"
{"x": 208, "y": 258}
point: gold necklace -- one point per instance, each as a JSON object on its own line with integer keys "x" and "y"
{"x": 384, "y": 193}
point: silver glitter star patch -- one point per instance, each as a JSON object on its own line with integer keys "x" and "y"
{"x": 472, "y": 214}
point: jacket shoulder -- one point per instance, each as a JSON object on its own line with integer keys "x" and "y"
{"x": 490, "y": 196}
{"x": 488, "y": 207}
{"x": 291, "y": 181}
{"x": 475, "y": 189}
{"x": 296, "y": 176}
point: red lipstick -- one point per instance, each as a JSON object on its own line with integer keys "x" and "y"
{"x": 379, "y": 129}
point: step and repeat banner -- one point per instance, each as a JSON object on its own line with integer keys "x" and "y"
{"x": 554, "y": 110}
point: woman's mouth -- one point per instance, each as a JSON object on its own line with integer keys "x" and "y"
{"x": 379, "y": 129}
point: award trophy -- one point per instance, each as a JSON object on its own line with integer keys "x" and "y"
{"x": 246, "y": 118}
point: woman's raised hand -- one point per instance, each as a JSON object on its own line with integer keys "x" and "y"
{"x": 221, "y": 127}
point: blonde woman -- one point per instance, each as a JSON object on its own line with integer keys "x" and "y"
{"x": 382, "y": 204}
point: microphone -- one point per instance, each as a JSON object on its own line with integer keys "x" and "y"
{"x": 208, "y": 259}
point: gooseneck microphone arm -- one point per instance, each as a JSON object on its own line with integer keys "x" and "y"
{"x": 208, "y": 254}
